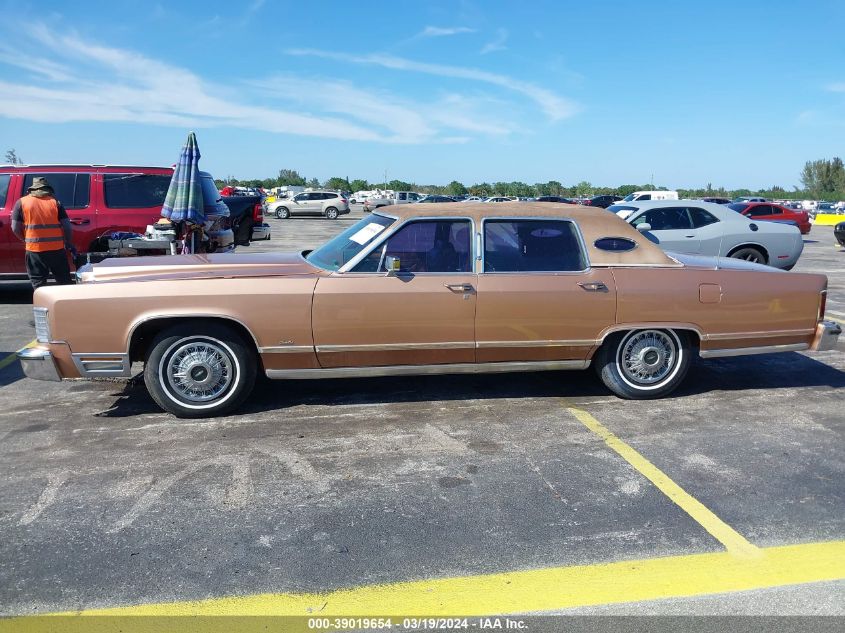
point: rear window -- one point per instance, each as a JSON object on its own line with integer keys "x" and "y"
{"x": 4, "y": 188}
{"x": 72, "y": 190}
{"x": 739, "y": 207}
{"x": 135, "y": 191}
{"x": 531, "y": 246}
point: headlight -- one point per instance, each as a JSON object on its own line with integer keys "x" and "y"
{"x": 42, "y": 325}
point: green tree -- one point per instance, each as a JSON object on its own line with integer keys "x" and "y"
{"x": 824, "y": 178}
{"x": 337, "y": 184}
{"x": 12, "y": 158}
{"x": 313, "y": 183}
{"x": 554, "y": 188}
{"x": 481, "y": 189}
{"x": 456, "y": 188}
{"x": 359, "y": 185}
{"x": 583, "y": 188}
{"x": 400, "y": 185}
{"x": 290, "y": 177}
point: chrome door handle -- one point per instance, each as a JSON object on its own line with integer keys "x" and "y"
{"x": 593, "y": 286}
{"x": 460, "y": 287}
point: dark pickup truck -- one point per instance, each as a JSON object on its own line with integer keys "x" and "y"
{"x": 245, "y": 214}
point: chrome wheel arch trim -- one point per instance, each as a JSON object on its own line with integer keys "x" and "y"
{"x": 185, "y": 315}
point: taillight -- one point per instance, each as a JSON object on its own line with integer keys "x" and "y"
{"x": 822, "y": 305}
{"x": 258, "y": 212}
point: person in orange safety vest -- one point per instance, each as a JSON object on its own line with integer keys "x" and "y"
{"x": 41, "y": 222}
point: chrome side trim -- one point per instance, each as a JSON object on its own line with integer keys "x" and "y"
{"x": 561, "y": 343}
{"x": 416, "y": 370}
{"x": 767, "y": 334}
{"x": 390, "y": 347}
{"x": 746, "y": 351}
{"x": 286, "y": 349}
{"x": 99, "y": 365}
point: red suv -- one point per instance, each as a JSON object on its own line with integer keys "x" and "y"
{"x": 769, "y": 211}
{"x": 99, "y": 200}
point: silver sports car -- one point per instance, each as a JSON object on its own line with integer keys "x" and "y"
{"x": 705, "y": 228}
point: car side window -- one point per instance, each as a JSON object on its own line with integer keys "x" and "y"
{"x": 759, "y": 210}
{"x": 665, "y": 219}
{"x": 403, "y": 196}
{"x": 645, "y": 197}
{"x": 532, "y": 246}
{"x": 700, "y": 217}
{"x": 4, "y": 189}
{"x": 775, "y": 210}
{"x": 71, "y": 189}
{"x": 425, "y": 246}
{"x": 301, "y": 197}
{"x": 135, "y": 191}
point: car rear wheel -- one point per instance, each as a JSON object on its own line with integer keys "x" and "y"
{"x": 749, "y": 254}
{"x": 643, "y": 364}
{"x": 282, "y": 212}
{"x": 331, "y": 213}
{"x": 195, "y": 372}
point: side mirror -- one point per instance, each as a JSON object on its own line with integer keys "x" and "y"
{"x": 392, "y": 265}
{"x": 645, "y": 227}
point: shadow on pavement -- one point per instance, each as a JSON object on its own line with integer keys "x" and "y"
{"x": 770, "y": 371}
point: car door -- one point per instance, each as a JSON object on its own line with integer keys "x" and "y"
{"x": 423, "y": 314}
{"x": 8, "y": 250}
{"x": 709, "y": 230}
{"x": 131, "y": 200}
{"x": 538, "y": 298}
{"x": 303, "y": 204}
{"x": 671, "y": 228}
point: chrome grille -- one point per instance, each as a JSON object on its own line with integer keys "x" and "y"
{"x": 42, "y": 325}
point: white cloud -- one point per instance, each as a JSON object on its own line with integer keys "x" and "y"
{"x": 555, "y": 106}
{"x": 497, "y": 44}
{"x": 836, "y": 87}
{"x": 436, "y": 31}
{"x": 100, "y": 83}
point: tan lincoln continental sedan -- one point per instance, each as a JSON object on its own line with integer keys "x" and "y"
{"x": 422, "y": 289}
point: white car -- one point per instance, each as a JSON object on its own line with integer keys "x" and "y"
{"x": 500, "y": 199}
{"x": 705, "y": 228}
{"x": 473, "y": 199}
{"x": 329, "y": 204}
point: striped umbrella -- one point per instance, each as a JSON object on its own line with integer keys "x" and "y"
{"x": 184, "y": 202}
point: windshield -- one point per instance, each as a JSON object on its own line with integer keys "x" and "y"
{"x": 342, "y": 248}
{"x": 629, "y": 198}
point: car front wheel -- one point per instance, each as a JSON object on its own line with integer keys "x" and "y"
{"x": 200, "y": 371}
{"x": 643, "y": 364}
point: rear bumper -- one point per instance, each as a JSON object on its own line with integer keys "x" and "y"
{"x": 39, "y": 364}
{"x": 827, "y": 335}
{"x": 261, "y": 232}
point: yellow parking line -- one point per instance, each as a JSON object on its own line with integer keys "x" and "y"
{"x": 833, "y": 318}
{"x": 531, "y": 591}
{"x": 733, "y": 541}
{"x": 11, "y": 357}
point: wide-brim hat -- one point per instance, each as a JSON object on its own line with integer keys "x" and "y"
{"x": 40, "y": 182}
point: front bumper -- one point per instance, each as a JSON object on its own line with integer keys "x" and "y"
{"x": 827, "y": 335}
{"x": 39, "y": 364}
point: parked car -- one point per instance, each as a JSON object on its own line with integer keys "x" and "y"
{"x": 555, "y": 199}
{"x": 743, "y": 199}
{"x": 473, "y": 199}
{"x": 643, "y": 196}
{"x": 695, "y": 227}
{"x": 773, "y": 212}
{"x": 415, "y": 292}
{"x": 716, "y": 200}
{"x": 435, "y": 198}
{"x": 839, "y": 233}
{"x": 602, "y": 201}
{"x": 499, "y": 199}
{"x": 101, "y": 200}
{"x": 247, "y": 213}
{"x": 329, "y": 204}
{"x": 391, "y": 197}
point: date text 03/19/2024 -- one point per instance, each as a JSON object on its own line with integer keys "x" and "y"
{"x": 415, "y": 623}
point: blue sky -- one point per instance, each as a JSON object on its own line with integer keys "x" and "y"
{"x": 738, "y": 94}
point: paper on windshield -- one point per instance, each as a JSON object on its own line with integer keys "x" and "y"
{"x": 367, "y": 233}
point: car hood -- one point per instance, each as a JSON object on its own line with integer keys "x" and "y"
{"x": 202, "y": 266}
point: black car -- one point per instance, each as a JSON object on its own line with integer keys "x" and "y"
{"x": 603, "y": 201}
{"x": 839, "y": 233}
{"x": 717, "y": 200}
{"x": 435, "y": 198}
{"x": 556, "y": 199}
